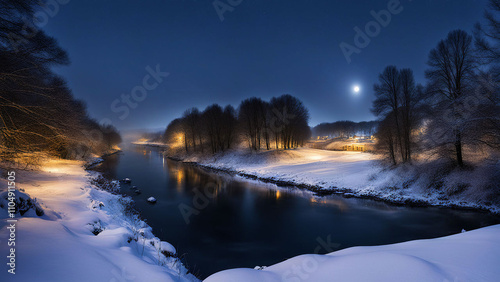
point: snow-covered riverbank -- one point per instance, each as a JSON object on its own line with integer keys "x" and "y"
{"x": 84, "y": 234}
{"x": 469, "y": 256}
{"x": 361, "y": 175}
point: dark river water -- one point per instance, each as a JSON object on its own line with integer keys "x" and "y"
{"x": 218, "y": 221}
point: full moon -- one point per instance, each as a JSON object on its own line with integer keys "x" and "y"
{"x": 356, "y": 88}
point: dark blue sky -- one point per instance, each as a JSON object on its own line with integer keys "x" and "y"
{"x": 262, "y": 48}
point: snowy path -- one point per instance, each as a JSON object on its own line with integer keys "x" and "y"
{"x": 60, "y": 245}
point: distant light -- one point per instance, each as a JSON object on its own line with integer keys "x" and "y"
{"x": 356, "y": 89}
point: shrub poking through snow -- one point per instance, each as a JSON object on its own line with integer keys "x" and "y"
{"x": 99, "y": 227}
{"x": 105, "y": 184}
{"x": 96, "y": 204}
{"x": 96, "y": 227}
{"x": 168, "y": 254}
{"x": 25, "y": 205}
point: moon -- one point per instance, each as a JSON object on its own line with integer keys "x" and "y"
{"x": 356, "y": 89}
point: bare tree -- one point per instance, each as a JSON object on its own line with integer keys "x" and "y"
{"x": 290, "y": 121}
{"x": 387, "y": 138}
{"x": 174, "y": 128}
{"x": 410, "y": 97}
{"x": 229, "y": 123}
{"x": 487, "y": 41}
{"x": 251, "y": 119}
{"x": 388, "y": 101}
{"x": 451, "y": 72}
{"x": 191, "y": 119}
{"x": 487, "y": 38}
{"x": 37, "y": 109}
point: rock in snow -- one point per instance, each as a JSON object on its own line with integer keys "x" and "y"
{"x": 152, "y": 200}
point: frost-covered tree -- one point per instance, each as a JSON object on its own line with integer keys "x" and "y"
{"x": 451, "y": 76}
{"x": 37, "y": 109}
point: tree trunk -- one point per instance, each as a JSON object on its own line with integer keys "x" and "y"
{"x": 398, "y": 135}
{"x": 458, "y": 148}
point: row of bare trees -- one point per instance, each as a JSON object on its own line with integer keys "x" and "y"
{"x": 345, "y": 129}
{"x": 212, "y": 130}
{"x": 37, "y": 109}
{"x": 283, "y": 120}
{"x": 397, "y": 100}
{"x": 458, "y": 108}
{"x": 280, "y": 123}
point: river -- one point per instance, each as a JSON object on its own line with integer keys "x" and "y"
{"x": 219, "y": 221}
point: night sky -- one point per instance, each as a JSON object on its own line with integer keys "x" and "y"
{"x": 262, "y": 48}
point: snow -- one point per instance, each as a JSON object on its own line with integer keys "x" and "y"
{"x": 362, "y": 174}
{"x": 61, "y": 244}
{"x": 150, "y": 143}
{"x": 87, "y": 234}
{"x": 468, "y": 256}
{"x": 93, "y": 162}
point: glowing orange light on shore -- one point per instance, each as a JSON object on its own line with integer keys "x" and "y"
{"x": 278, "y": 194}
{"x": 177, "y": 140}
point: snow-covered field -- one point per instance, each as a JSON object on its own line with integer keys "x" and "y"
{"x": 84, "y": 234}
{"x": 361, "y": 174}
{"x": 469, "y": 256}
{"x": 72, "y": 231}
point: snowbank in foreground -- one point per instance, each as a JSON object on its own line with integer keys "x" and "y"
{"x": 360, "y": 174}
{"x": 84, "y": 234}
{"x": 469, "y": 256}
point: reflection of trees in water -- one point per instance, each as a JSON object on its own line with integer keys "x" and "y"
{"x": 144, "y": 151}
{"x": 187, "y": 178}
{"x": 336, "y": 202}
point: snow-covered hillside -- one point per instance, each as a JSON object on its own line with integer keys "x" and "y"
{"x": 84, "y": 234}
{"x": 361, "y": 174}
{"x": 469, "y": 256}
